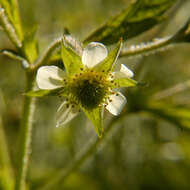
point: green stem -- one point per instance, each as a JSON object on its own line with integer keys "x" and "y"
{"x": 82, "y": 157}
{"x": 25, "y": 134}
{"x": 147, "y": 48}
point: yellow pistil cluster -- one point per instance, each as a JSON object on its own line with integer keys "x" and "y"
{"x": 89, "y": 88}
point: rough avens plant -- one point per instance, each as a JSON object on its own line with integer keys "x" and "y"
{"x": 88, "y": 83}
{"x": 91, "y": 77}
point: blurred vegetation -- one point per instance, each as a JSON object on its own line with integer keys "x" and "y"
{"x": 148, "y": 146}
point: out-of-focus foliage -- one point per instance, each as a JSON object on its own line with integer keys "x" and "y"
{"x": 179, "y": 115}
{"x": 183, "y": 35}
{"x": 148, "y": 147}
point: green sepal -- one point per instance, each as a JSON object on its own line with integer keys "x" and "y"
{"x": 71, "y": 60}
{"x": 124, "y": 82}
{"x": 95, "y": 115}
{"x": 41, "y": 93}
{"x": 108, "y": 64}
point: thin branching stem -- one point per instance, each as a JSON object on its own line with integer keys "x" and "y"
{"x": 47, "y": 53}
{"x": 172, "y": 90}
{"x": 25, "y": 134}
{"x": 88, "y": 151}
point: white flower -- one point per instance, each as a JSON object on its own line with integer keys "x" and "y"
{"x": 90, "y": 87}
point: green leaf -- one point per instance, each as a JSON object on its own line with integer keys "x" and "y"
{"x": 134, "y": 20}
{"x": 125, "y": 82}
{"x": 95, "y": 116}
{"x": 12, "y": 11}
{"x": 30, "y": 45}
{"x": 40, "y": 93}
{"x": 71, "y": 60}
{"x": 109, "y": 63}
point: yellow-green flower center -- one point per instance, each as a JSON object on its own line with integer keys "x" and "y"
{"x": 89, "y": 88}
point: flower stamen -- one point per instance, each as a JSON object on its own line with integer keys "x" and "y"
{"x": 89, "y": 88}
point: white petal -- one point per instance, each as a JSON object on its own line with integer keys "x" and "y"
{"x": 93, "y": 54}
{"x": 117, "y": 103}
{"x": 49, "y": 77}
{"x": 65, "y": 114}
{"x": 124, "y": 72}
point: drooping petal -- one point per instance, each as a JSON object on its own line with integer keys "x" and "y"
{"x": 124, "y": 72}
{"x": 93, "y": 54}
{"x": 49, "y": 77}
{"x": 65, "y": 114}
{"x": 116, "y": 104}
{"x": 75, "y": 45}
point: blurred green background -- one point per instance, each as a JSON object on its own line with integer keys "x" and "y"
{"x": 145, "y": 150}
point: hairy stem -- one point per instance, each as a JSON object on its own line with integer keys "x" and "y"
{"x": 25, "y": 134}
{"x": 9, "y": 28}
{"x": 147, "y": 48}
